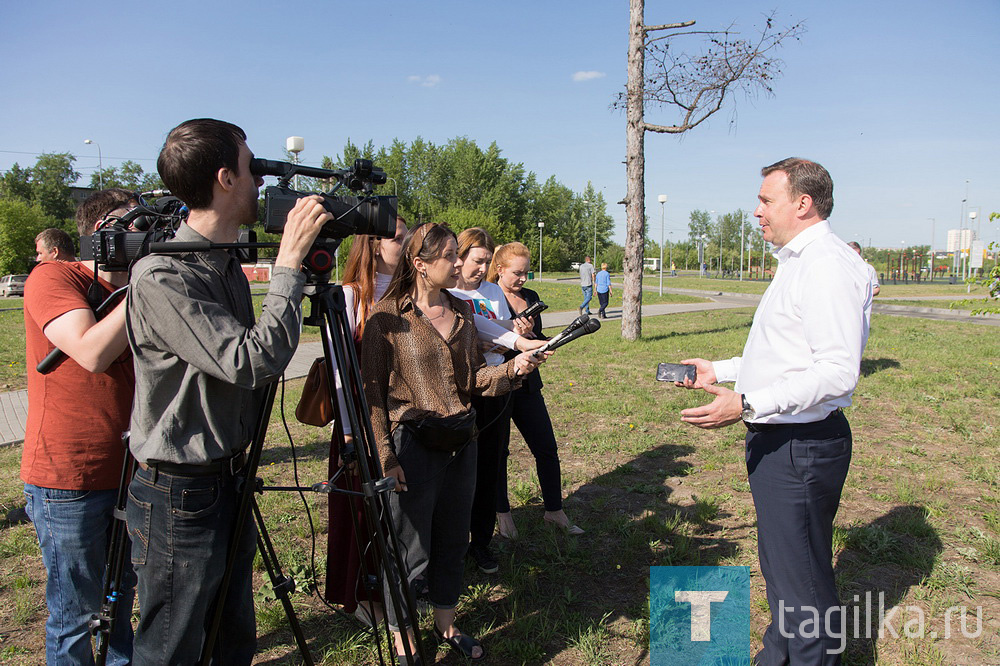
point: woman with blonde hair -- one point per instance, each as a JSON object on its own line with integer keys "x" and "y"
{"x": 422, "y": 364}
{"x": 509, "y": 269}
{"x": 475, "y": 249}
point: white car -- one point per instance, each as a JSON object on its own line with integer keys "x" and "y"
{"x": 12, "y": 285}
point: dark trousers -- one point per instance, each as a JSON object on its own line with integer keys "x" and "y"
{"x": 603, "y": 297}
{"x": 797, "y": 473}
{"x": 180, "y": 528}
{"x": 493, "y": 421}
{"x": 432, "y": 518}
{"x": 532, "y": 420}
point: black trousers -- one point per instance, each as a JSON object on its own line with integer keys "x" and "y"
{"x": 532, "y": 420}
{"x": 797, "y": 473}
{"x": 603, "y": 299}
{"x": 493, "y": 421}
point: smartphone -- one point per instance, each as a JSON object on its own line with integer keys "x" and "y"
{"x": 675, "y": 372}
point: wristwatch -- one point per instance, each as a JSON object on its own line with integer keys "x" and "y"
{"x": 749, "y": 413}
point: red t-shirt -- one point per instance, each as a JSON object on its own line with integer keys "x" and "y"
{"x": 73, "y": 439}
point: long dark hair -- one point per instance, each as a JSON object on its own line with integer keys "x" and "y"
{"x": 427, "y": 241}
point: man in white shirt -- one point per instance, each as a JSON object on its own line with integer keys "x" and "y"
{"x": 798, "y": 370}
{"x": 872, "y": 275}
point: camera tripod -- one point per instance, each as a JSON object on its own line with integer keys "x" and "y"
{"x": 328, "y": 312}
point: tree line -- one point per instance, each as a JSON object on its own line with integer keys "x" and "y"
{"x": 458, "y": 183}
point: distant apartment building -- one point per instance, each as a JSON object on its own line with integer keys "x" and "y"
{"x": 960, "y": 239}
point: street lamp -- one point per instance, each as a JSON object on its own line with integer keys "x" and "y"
{"x": 663, "y": 200}
{"x": 295, "y": 145}
{"x": 100, "y": 162}
{"x": 972, "y": 221}
{"x": 701, "y": 255}
{"x": 541, "y": 225}
{"x": 586, "y": 203}
{"x": 742, "y": 243}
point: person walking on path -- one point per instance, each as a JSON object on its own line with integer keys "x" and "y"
{"x": 603, "y": 290}
{"x": 586, "y": 284}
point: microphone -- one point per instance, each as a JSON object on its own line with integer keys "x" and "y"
{"x": 576, "y": 323}
{"x": 589, "y": 326}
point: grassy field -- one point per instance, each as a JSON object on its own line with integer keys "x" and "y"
{"x": 919, "y": 520}
{"x": 559, "y": 298}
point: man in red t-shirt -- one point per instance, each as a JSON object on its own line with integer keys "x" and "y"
{"x": 73, "y": 451}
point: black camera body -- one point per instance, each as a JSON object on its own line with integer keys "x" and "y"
{"x": 363, "y": 214}
{"x": 351, "y": 215}
{"x": 114, "y": 246}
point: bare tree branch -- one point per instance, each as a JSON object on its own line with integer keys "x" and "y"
{"x": 667, "y": 26}
{"x": 698, "y": 85}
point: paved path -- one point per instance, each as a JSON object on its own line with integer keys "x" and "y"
{"x": 14, "y": 405}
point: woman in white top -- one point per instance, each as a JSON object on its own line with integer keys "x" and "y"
{"x": 475, "y": 249}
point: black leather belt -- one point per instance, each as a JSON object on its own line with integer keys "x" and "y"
{"x": 771, "y": 427}
{"x": 214, "y": 468}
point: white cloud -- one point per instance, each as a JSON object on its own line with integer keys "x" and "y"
{"x": 587, "y": 76}
{"x": 429, "y": 81}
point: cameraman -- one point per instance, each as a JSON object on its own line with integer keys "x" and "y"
{"x": 73, "y": 453}
{"x": 199, "y": 357}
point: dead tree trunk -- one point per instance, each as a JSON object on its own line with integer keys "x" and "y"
{"x": 635, "y": 170}
{"x": 697, "y": 86}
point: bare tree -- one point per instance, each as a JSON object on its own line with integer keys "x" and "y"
{"x": 698, "y": 86}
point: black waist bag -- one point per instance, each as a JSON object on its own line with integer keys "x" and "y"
{"x": 445, "y": 433}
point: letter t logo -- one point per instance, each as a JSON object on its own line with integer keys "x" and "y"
{"x": 701, "y": 610}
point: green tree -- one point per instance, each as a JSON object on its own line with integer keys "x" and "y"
{"x": 459, "y": 219}
{"x": 16, "y": 184}
{"x": 20, "y": 222}
{"x": 51, "y": 179}
{"x": 700, "y": 224}
{"x": 129, "y": 176}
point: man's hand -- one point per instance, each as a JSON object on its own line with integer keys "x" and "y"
{"x": 726, "y": 409}
{"x": 301, "y": 228}
{"x": 706, "y": 374}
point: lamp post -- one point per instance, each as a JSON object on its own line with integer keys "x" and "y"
{"x": 671, "y": 244}
{"x": 972, "y": 221}
{"x": 701, "y": 255}
{"x": 902, "y": 251}
{"x": 541, "y": 225}
{"x": 100, "y": 162}
{"x": 742, "y": 243}
{"x": 295, "y": 145}
{"x": 712, "y": 212}
{"x": 663, "y": 200}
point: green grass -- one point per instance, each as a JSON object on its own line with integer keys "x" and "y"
{"x": 650, "y": 490}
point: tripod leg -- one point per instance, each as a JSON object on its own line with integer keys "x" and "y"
{"x": 102, "y": 624}
{"x": 281, "y": 584}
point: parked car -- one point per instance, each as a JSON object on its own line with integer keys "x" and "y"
{"x": 12, "y": 285}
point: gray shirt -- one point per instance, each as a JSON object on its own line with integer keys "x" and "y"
{"x": 198, "y": 354}
{"x": 586, "y": 274}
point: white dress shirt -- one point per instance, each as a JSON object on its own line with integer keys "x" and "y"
{"x": 802, "y": 358}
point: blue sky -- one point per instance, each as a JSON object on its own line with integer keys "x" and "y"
{"x": 899, "y": 100}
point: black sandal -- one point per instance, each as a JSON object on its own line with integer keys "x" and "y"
{"x": 462, "y": 643}
{"x": 401, "y": 660}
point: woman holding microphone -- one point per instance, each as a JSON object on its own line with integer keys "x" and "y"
{"x": 509, "y": 270}
{"x": 422, "y": 364}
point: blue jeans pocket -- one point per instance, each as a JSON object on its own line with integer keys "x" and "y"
{"x": 195, "y": 502}
{"x": 137, "y": 516}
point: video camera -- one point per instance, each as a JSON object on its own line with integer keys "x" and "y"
{"x": 119, "y": 241}
{"x": 364, "y": 214}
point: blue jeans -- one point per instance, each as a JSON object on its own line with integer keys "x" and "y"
{"x": 70, "y": 525}
{"x": 180, "y": 528}
{"x": 588, "y": 294}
